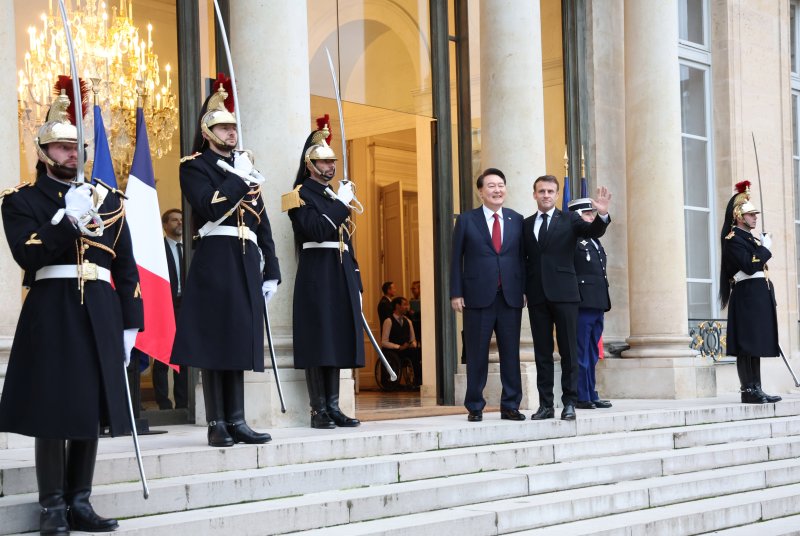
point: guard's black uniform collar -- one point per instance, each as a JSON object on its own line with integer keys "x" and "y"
{"x": 52, "y": 188}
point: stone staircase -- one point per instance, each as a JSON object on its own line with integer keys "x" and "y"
{"x": 643, "y": 467}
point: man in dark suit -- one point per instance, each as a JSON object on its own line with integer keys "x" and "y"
{"x": 551, "y": 288}
{"x": 590, "y": 267}
{"x": 486, "y": 286}
{"x": 385, "y": 308}
{"x": 172, "y": 222}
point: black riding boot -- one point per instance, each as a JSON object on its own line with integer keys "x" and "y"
{"x": 218, "y": 435}
{"x": 755, "y": 369}
{"x": 746, "y": 380}
{"x": 233, "y": 393}
{"x": 331, "y": 375}
{"x": 316, "y": 396}
{"x": 81, "y": 456}
{"x": 50, "y": 478}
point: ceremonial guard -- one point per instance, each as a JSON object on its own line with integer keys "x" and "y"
{"x": 220, "y": 327}
{"x": 590, "y": 267}
{"x": 75, "y": 332}
{"x": 327, "y": 293}
{"x": 749, "y": 294}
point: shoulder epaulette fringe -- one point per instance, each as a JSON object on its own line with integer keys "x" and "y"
{"x": 14, "y": 189}
{"x": 292, "y": 199}
{"x": 190, "y": 157}
{"x": 730, "y": 235}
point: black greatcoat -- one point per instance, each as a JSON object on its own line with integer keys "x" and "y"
{"x": 327, "y": 290}
{"x": 66, "y": 370}
{"x": 221, "y": 321}
{"x": 752, "y": 319}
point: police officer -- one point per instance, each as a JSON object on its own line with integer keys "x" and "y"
{"x": 220, "y": 326}
{"x": 76, "y": 331}
{"x": 749, "y": 294}
{"x": 590, "y": 267}
{"x": 327, "y": 291}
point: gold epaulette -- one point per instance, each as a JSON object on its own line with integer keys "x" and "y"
{"x": 292, "y": 199}
{"x": 729, "y": 235}
{"x": 15, "y": 189}
{"x": 190, "y": 157}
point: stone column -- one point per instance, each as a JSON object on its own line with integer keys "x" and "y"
{"x": 660, "y": 363}
{"x": 512, "y": 136}
{"x": 273, "y": 84}
{"x": 10, "y": 274}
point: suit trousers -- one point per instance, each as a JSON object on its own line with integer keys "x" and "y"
{"x": 479, "y": 324}
{"x": 564, "y": 317}
{"x": 590, "y": 329}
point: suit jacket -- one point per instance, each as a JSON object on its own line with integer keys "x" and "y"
{"x": 173, "y": 272}
{"x": 477, "y": 268}
{"x": 549, "y": 267}
{"x": 590, "y": 267}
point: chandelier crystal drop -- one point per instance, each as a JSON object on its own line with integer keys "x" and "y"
{"x": 121, "y": 68}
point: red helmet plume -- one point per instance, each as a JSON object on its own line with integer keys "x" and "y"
{"x": 322, "y": 122}
{"x": 226, "y": 84}
{"x": 742, "y": 187}
{"x": 65, "y": 82}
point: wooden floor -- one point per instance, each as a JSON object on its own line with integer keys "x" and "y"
{"x": 379, "y": 406}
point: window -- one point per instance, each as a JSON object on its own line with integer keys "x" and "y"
{"x": 795, "y": 80}
{"x": 700, "y": 226}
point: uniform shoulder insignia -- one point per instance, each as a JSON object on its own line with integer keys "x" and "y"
{"x": 292, "y": 199}
{"x": 14, "y": 189}
{"x": 190, "y": 157}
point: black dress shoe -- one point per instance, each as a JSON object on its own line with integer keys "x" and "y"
{"x": 568, "y": 414}
{"x": 340, "y": 419}
{"x": 82, "y": 517}
{"x": 584, "y": 404}
{"x": 543, "y": 413}
{"x": 241, "y": 433}
{"x": 322, "y": 421}
{"x": 770, "y": 398}
{"x": 53, "y": 521}
{"x": 475, "y": 416}
{"x": 603, "y": 404}
{"x": 512, "y": 415}
{"x": 218, "y": 435}
{"x": 751, "y": 396}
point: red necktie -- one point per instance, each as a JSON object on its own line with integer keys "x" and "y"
{"x": 496, "y": 239}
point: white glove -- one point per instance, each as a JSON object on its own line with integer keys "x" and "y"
{"x": 79, "y": 201}
{"x": 246, "y": 177}
{"x": 128, "y": 340}
{"x": 345, "y": 193}
{"x": 766, "y": 240}
{"x": 242, "y": 162}
{"x": 269, "y": 288}
{"x": 256, "y": 178}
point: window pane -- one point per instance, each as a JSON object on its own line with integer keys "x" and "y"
{"x": 693, "y": 107}
{"x": 698, "y": 264}
{"x": 695, "y": 172}
{"x": 690, "y": 13}
{"x": 793, "y": 34}
{"x": 795, "y": 152}
{"x": 700, "y": 300}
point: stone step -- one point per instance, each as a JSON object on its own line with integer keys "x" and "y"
{"x": 783, "y": 526}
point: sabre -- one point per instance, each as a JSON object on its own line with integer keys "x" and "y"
{"x": 80, "y": 176}
{"x": 758, "y": 172}
{"x": 386, "y": 365}
{"x": 239, "y": 145}
{"x": 272, "y": 356}
{"x": 786, "y": 361}
{"x": 341, "y": 116}
{"x": 142, "y": 477}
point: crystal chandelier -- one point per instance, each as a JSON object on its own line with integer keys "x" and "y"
{"x": 122, "y": 70}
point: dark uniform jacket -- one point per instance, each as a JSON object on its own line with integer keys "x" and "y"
{"x": 752, "y": 319}
{"x": 549, "y": 267}
{"x": 66, "y": 370}
{"x": 590, "y": 267}
{"x": 327, "y": 290}
{"x": 221, "y": 321}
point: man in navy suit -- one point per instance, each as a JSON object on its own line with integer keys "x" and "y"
{"x": 551, "y": 288}
{"x": 486, "y": 286}
{"x": 172, "y": 222}
{"x": 590, "y": 267}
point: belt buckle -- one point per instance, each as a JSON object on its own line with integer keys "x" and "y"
{"x": 88, "y": 271}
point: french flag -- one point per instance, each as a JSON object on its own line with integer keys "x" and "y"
{"x": 144, "y": 221}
